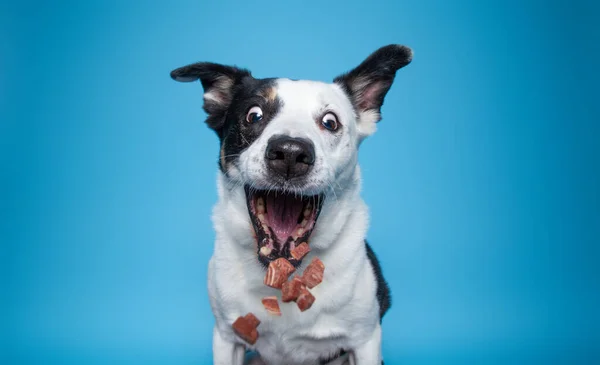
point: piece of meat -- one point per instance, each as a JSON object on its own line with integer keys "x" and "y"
{"x": 291, "y": 289}
{"x": 245, "y": 328}
{"x": 252, "y": 320}
{"x": 278, "y": 272}
{"x": 305, "y": 299}
{"x": 271, "y": 305}
{"x": 313, "y": 274}
{"x": 300, "y": 251}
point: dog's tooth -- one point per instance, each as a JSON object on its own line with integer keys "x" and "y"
{"x": 304, "y": 223}
{"x": 260, "y": 205}
{"x": 307, "y": 212}
{"x": 265, "y": 250}
{"x": 300, "y": 232}
{"x": 261, "y": 217}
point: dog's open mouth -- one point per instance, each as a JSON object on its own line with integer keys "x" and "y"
{"x": 281, "y": 221}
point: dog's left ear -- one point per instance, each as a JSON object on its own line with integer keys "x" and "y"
{"x": 219, "y": 82}
{"x": 368, "y": 83}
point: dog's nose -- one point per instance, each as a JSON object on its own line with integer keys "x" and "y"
{"x": 290, "y": 157}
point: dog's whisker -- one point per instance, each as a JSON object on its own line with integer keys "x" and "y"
{"x": 333, "y": 191}
{"x": 232, "y": 155}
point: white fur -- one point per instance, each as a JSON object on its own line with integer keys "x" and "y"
{"x": 345, "y": 313}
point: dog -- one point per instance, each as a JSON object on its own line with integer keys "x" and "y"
{"x": 288, "y": 173}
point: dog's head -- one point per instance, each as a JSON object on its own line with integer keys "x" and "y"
{"x": 290, "y": 144}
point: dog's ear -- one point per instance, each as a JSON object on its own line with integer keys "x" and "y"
{"x": 218, "y": 81}
{"x": 368, "y": 83}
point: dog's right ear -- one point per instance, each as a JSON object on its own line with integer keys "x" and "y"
{"x": 369, "y": 82}
{"x": 219, "y": 83}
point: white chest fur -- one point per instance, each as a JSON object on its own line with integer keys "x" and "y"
{"x": 344, "y": 314}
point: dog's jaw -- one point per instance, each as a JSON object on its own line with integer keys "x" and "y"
{"x": 281, "y": 221}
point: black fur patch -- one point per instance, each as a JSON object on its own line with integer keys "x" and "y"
{"x": 237, "y": 134}
{"x": 219, "y": 80}
{"x": 384, "y": 297}
{"x": 236, "y": 91}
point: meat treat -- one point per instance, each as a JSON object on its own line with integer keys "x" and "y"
{"x": 271, "y": 305}
{"x": 291, "y": 289}
{"x": 278, "y": 272}
{"x": 313, "y": 274}
{"x": 252, "y": 320}
{"x": 300, "y": 251}
{"x": 305, "y": 299}
{"x": 245, "y": 328}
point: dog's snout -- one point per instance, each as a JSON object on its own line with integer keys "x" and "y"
{"x": 290, "y": 157}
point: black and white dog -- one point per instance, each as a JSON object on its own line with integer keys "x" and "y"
{"x": 293, "y": 146}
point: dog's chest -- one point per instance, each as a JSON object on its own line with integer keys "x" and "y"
{"x": 301, "y": 337}
{"x": 343, "y": 314}
{"x": 298, "y": 337}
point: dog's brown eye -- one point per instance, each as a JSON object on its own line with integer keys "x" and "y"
{"x": 255, "y": 114}
{"x": 330, "y": 122}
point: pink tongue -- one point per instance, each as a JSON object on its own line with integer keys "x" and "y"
{"x": 283, "y": 212}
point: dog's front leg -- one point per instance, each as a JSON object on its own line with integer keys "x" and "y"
{"x": 226, "y": 353}
{"x": 369, "y": 353}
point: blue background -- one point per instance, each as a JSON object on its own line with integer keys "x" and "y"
{"x": 483, "y": 179}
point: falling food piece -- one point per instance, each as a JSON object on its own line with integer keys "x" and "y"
{"x": 305, "y": 299}
{"x": 313, "y": 274}
{"x": 278, "y": 272}
{"x": 252, "y": 320}
{"x": 291, "y": 289}
{"x": 300, "y": 251}
{"x": 271, "y": 305}
{"x": 245, "y": 328}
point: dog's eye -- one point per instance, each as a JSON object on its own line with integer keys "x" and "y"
{"x": 255, "y": 114}
{"x": 330, "y": 122}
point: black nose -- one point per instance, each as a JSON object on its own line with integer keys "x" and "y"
{"x": 290, "y": 157}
